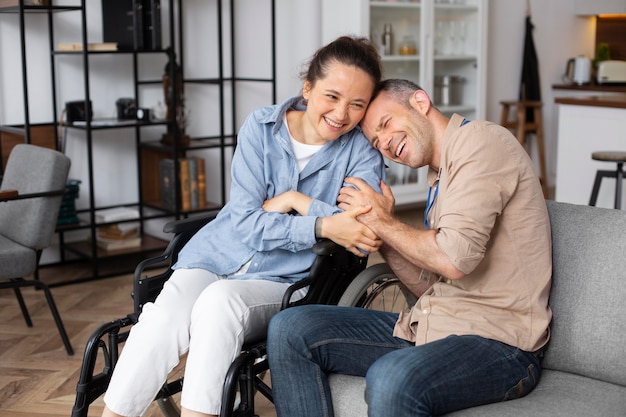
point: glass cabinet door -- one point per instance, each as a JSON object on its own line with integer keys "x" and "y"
{"x": 439, "y": 44}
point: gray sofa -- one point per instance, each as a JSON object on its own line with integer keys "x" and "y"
{"x": 584, "y": 368}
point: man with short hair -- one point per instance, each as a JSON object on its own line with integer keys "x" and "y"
{"x": 481, "y": 268}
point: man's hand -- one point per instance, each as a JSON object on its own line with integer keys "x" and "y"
{"x": 361, "y": 194}
{"x": 345, "y": 230}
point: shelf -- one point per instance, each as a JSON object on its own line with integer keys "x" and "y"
{"x": 84, "y": 248}
{"x": 100, "y": 124}
{"x": 469, "y": 8}
{"x": 157, "y": 205}
{"x": 124, "y": 51}
{"x": 194, "y": 144}
{"x": 395, "y": 4}
{"x": 38, "y": 9}
{"x": 400, "y": 58}
{"x": 468, "y": 58}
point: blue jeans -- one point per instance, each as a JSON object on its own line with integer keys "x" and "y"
{"x": 308, "y": 342}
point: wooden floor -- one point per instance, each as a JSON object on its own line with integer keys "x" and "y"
{"x": 37, "y": 377}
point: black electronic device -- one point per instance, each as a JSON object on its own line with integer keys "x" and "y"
{"x": 126, "y": 108}
{"x": 144, "y": 114}
{"x": 78, "y": 111}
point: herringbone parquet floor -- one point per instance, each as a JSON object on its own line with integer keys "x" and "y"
{"x": 37, "y": 377}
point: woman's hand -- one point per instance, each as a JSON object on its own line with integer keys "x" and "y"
{"x": 288, "y": 201}
{"x": 345, "y": 230}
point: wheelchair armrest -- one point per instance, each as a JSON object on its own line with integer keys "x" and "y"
{"x": 183, "y": 230}
{"x": 189, "y": 224}
{"x": 326, "y": 247}
{"x": 293, "y": 288}
{"x": 332, "y": 260}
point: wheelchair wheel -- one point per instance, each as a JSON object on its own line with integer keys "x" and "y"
{"x": 378, "y": 288}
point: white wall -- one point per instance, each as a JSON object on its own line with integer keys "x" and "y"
{"x": 558, "y": 34}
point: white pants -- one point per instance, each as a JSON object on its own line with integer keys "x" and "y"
{"x": 199, "y": 313}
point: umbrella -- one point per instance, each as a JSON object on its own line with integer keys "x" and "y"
{"x": 530, "y": 86}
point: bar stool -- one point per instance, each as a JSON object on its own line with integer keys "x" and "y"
{"x": 618, "y": 174}
{"x": 521, "y": 128}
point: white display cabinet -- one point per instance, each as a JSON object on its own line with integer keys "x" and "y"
{"x": 440, "y": 45}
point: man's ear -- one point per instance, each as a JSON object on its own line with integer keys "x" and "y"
{"x": 420, "y": 101}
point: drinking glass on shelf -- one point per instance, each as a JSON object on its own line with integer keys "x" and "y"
{"x": 439, "y": 38}
{"x": 461, "y": 33}
{"x": 452, "y": 37}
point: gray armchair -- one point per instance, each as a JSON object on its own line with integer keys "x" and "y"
{"x": 33, "y": 185}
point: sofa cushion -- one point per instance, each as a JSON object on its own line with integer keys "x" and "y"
{"x": 348, "y": 395}
{"x": 588, "y": 296}
{"x": 558, "y": 394}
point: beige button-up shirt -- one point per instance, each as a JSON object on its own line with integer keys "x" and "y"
{"x": 493, "y": 224}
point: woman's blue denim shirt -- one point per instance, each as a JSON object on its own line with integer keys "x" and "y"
{"x": 278, "y": 245}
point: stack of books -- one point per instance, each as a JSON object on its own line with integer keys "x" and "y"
{"x": 118, "y": 236}
{"x": 192, "y": 177}
{"x": 121, "y": 235}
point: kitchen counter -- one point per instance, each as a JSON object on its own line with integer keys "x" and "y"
{"x": 605, "y": 88}
{"x": 610, "y": 100}
{"x": 586, "y": 124}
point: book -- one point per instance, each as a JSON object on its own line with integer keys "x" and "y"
{"x": 185, "y": 184}
{"x": 193, "y": 183}
{"x": 120, "y": 231}
{"x": 167, "y": 180}
{"x": 78, "y": 46}
{"x": 14, "y": 3}
{"x": 122, "y": 22}
{"x": 201, "y": 182}
{"x": 117, "y": 244}
{"x": 116, "y": 214}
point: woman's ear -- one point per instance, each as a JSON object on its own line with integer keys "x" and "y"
{"x": 420, "y": 101}
{"x": 306, "y": 89}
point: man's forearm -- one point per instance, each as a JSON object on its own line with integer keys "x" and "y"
{"x": 411, "y": 275}
{"x": 414, "y": 249}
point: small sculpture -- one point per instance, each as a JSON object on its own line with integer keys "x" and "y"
{"x": 175, "y": 111}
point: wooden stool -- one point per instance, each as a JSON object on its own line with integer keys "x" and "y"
{"x": 618, "y": 174}
{"x": 521, "y": 128}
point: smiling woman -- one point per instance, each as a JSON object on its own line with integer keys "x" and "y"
{"x": 289, "y": 165}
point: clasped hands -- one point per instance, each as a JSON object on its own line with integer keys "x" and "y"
{"x": 354, "y": 228}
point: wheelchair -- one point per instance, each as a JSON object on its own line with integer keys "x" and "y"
{"x": 336, "y": 277}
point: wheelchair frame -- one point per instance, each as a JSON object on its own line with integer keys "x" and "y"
{"x": 331, "y": 273}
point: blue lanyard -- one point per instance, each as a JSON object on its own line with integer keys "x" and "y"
{"x": 430, "y": 203}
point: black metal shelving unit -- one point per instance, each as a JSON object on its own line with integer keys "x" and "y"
{"x": 224, "y": 141}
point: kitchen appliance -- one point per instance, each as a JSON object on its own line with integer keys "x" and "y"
{"x": 448, "y": 90}
{"x": 611, "y": 71}
{"x": 578, "y": 70}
